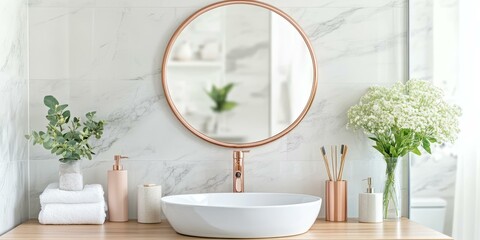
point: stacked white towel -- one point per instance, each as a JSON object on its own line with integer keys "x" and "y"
{"x": 72, "y": 207}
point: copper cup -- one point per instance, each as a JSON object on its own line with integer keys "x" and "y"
{"x": 336, "y": 201}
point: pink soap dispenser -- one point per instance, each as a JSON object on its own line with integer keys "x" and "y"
{"x": 118, "y": 192}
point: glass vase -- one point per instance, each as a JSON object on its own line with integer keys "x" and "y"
{"x": 216, "y": 120}
{"x": 70, "y": 176}
{"x": 392, "y": 201}
{"x": 219, "y": 120}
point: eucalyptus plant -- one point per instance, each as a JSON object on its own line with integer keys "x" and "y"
{"x": 219, "y": 96}
{"x": 66, "y": 136}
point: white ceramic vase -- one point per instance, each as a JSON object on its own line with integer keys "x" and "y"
{"x": 184, "y": 52}
{"x": 70, "y": 176}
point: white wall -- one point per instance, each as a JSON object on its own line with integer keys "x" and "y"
{"x": 13, "y": 113}
{"x": 105, "y": 55}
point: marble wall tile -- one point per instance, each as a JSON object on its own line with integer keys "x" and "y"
{"x": 13, "y": 81}
{"x": 123, "y": 50}
{"x": 13, "y": 118}
{"x": 114, "y": 49}
{"x": 198, "y": 176}
{"x": 421, "y": 39}
{"x": 357, "y": 43}
{"x": 13, "y": 114}
{"x": 438, "y": 183}
{"x": 201, "y": 3}
{"x": 48, "y": 35}
{"x": 370, "y": 41}
{"x": 13, "y": 194}
{"x": 175, "y": 176}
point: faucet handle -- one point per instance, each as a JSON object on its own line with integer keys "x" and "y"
{"x": 238, "y": 154}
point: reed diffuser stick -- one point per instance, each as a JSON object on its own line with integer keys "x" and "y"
{"x": 343, "y": 151}
{"x": 325, "y": 160}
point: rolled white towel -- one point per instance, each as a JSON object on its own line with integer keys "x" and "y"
{"x": 92, "y": 193}
{"x": 82, "y": 213}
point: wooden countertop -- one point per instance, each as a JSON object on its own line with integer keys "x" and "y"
{"x": 403, "y": 229}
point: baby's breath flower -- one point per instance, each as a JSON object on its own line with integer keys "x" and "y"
{"x": 416, "y": 105}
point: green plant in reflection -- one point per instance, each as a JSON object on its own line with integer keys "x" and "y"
{"x": 219, "y": 96}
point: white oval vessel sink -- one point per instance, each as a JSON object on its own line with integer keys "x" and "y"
{"x": 241, "y": 215}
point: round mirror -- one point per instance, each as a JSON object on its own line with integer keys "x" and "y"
{"x": 239, "y": 73}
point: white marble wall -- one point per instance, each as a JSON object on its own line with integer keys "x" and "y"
{"x": 13, "y": 114}
{"x": 432, "y": 56}
{"x": 105, "y": 55}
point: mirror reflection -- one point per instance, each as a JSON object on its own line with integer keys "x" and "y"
{"x": 240, "y": 73}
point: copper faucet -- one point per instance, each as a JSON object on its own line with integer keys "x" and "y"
{"x": 238, "y": 178}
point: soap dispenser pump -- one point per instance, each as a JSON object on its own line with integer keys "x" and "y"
{"x": 118, "y": 192}
{"x": 370, "y": 205}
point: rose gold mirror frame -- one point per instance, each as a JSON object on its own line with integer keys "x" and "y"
{"x": 200, "y": 134}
